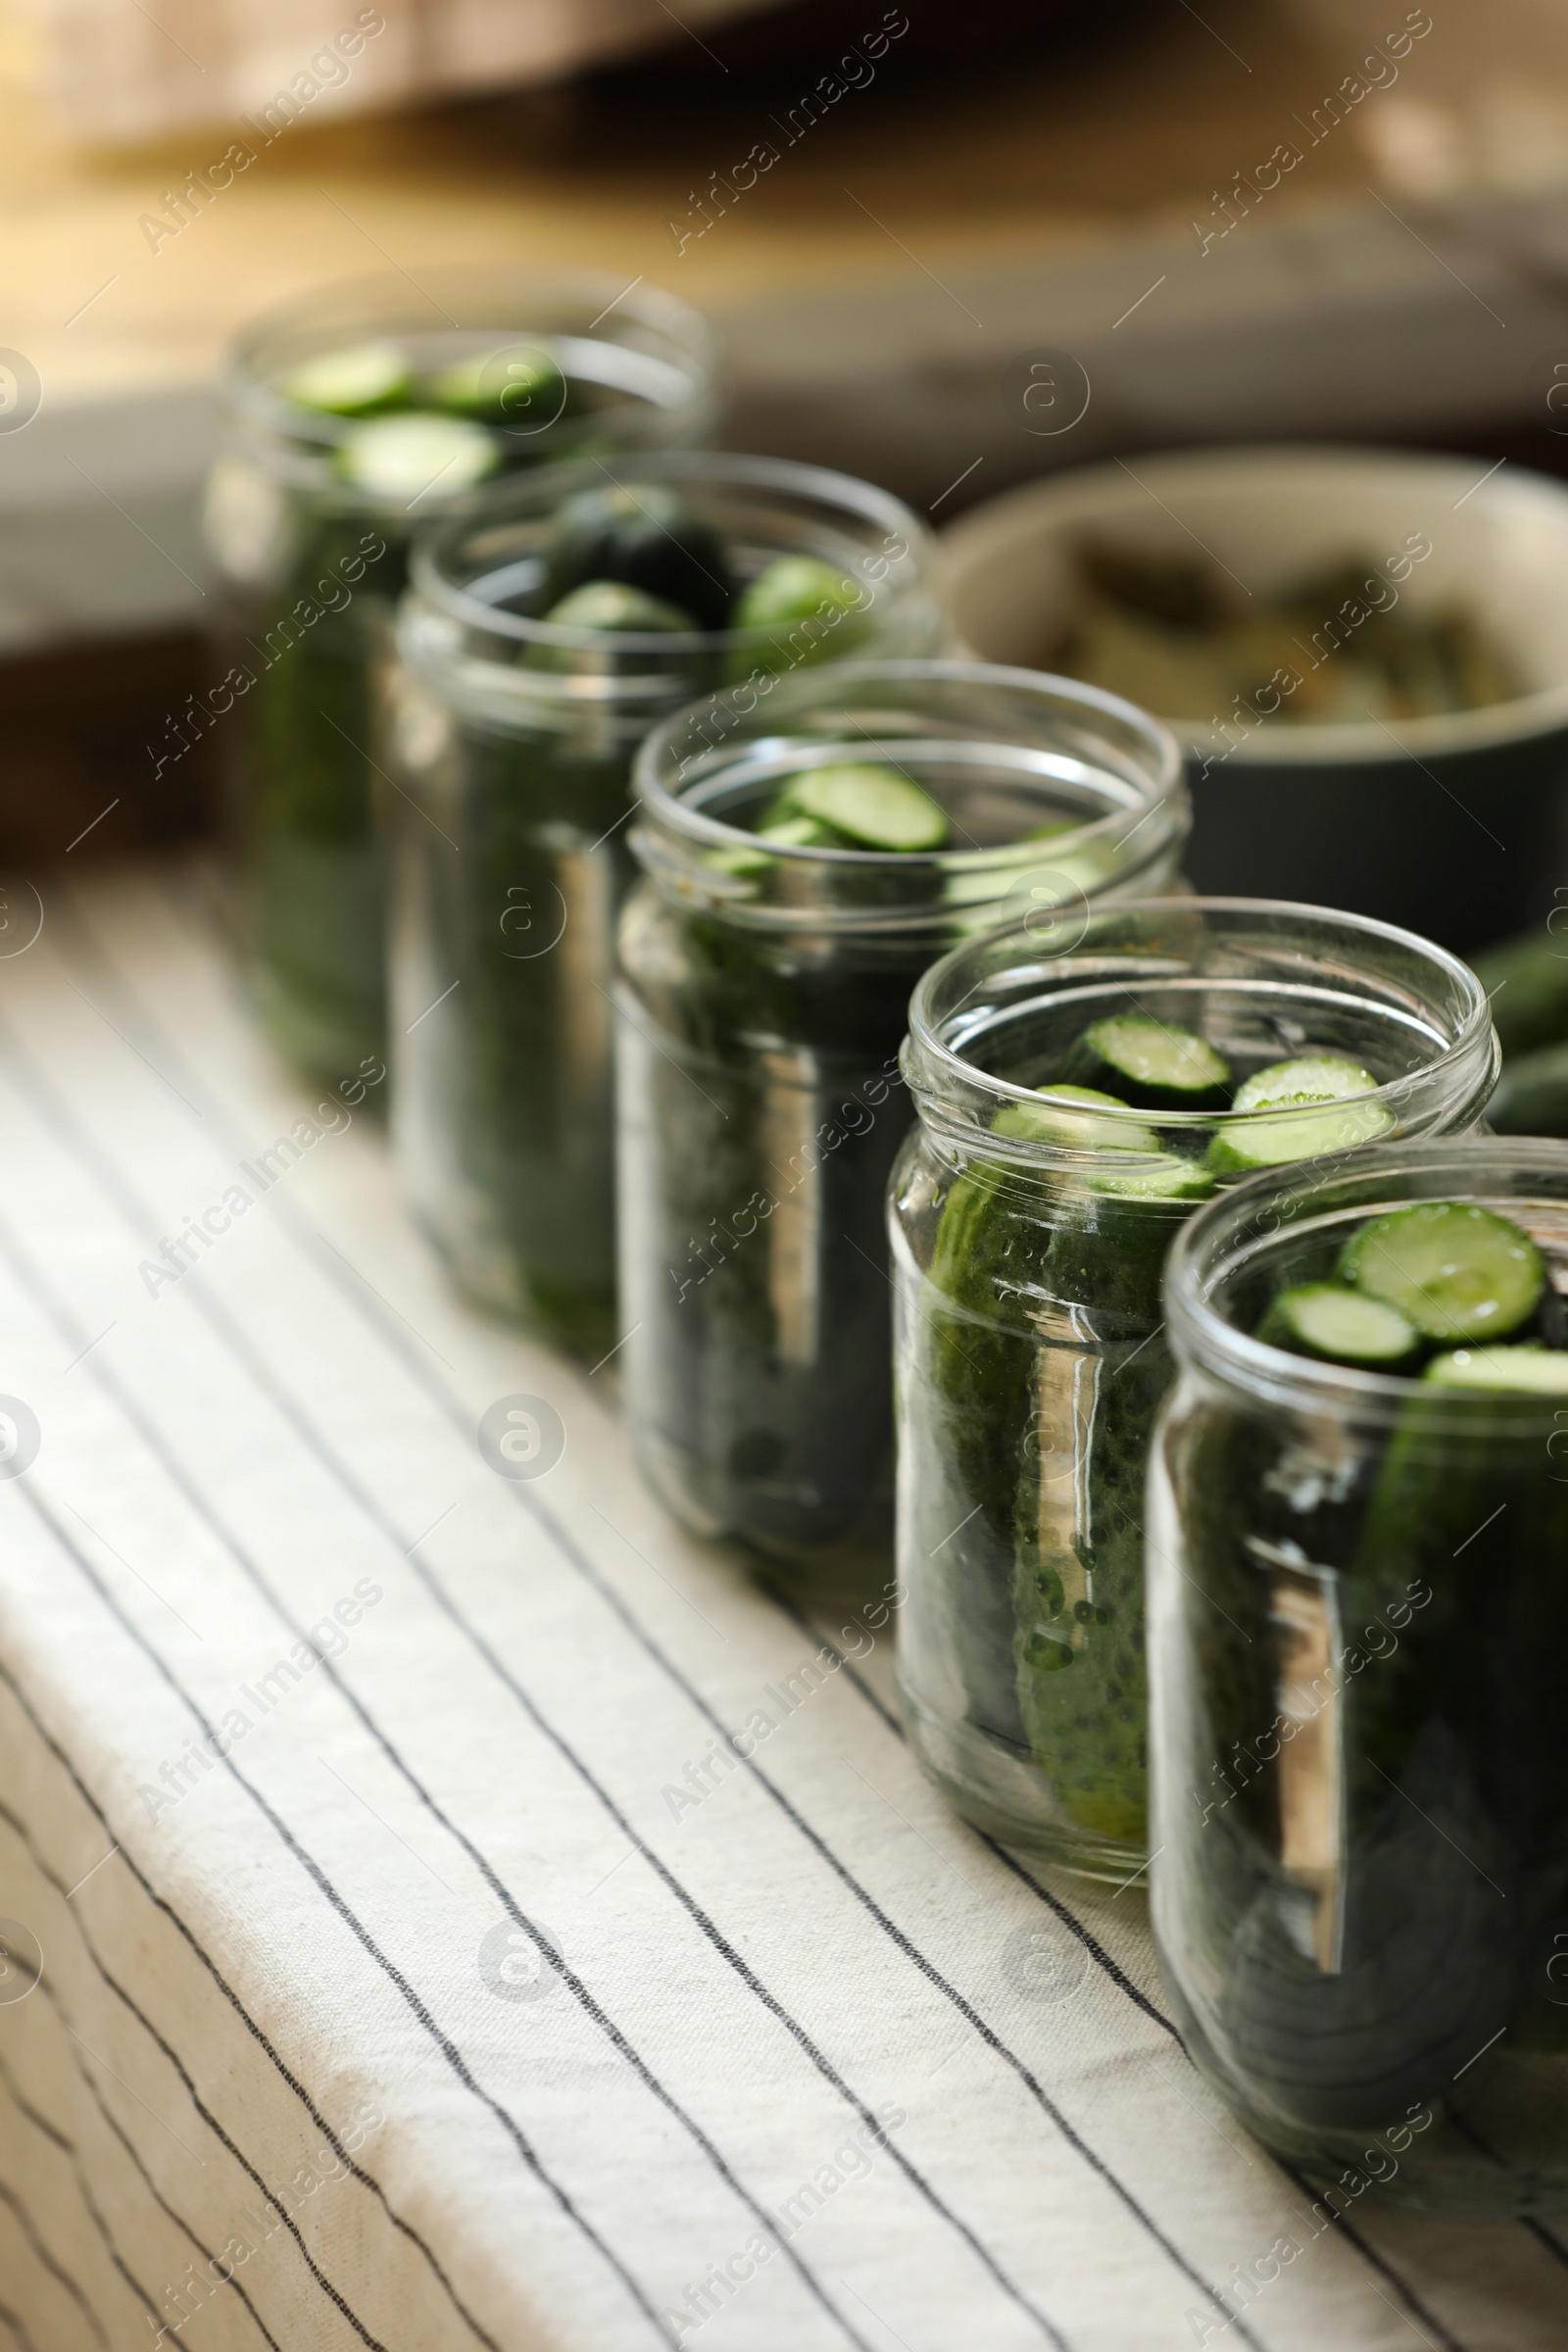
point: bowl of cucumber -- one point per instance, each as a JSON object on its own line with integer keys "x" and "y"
{"x": 1363, "y": 654}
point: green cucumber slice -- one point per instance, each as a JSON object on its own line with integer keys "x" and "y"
{"x": 874, "y": 807}
{"x": 1526, "y": 1371}
{"x": 403, "y": 460}
{"x": 359, "y": 382}
{"x": 799, "y": 833}
{"x": 1456, "y": 1270}
{"x": 780, "y": 832}
{"x": 1310, "y": 1078}
{"x": 610, "y": 608}
{"x": 809, "y": 610}
{"x": 1264, "y": 1143}
{"x": 1340, "y": 1326}
{"x": 795, "y": 588}
{"x": 520, "y": 385}
{"x": 1047, "y": 1124}
{"x": 1170, "y": 1177}
{"x": 613, "y": 605}
{"x": 1149, "y": 1063}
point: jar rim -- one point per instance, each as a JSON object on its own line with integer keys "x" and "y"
{"x": 386, "y": 295}
{"x": 538, "y": 493}
{"x": 931, "y": 1061}
{"x": 678, "y": 834}
{"x": 680, "y": 816}
{"x": 1208, "y": 1252}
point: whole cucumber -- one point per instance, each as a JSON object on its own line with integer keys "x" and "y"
{"x": 648, "y": 537}
{"x": 1526, "y": 982}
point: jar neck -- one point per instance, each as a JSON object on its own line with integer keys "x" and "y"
{"x": 989, "y": 1025}
{"x": 1259, "y": 1237}
{"x": 648, "y": 363}
{"x": 477, "y": 629}
{"x": 1054, "y": 797}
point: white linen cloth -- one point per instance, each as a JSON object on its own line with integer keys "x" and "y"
{"x": 478, "y": 1993}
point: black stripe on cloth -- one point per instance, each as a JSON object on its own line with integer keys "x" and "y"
{"x": 890, "y": 1928}
{"x": 99, "y": 2224}
{"x": 535, "y": 1506}
{"x": 289, "y": 1408}
{"x": 365, "y": 2180}
{"x": 47, "y": 1871}
{"x": 1112, "y": 1968}
{"x": 73, "y": 1334}
{"x": 307, "y": 1242}
{"x": 112, "y": 2121}
{"x": 29, "y": 2231}
{"x": 12, "y": 2319}
{"x": 333, "y": 1269}
{"x": 357, "y": 1927}
{"x": 1538, "y": 2230}
{"x": 1134, "y": 1994}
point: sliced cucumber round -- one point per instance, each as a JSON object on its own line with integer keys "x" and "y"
{"x": 404, "y": 460}
{"x": 1046, "y": 1123}
{"x": 1266, "y": 1143}
{"x": 1310, "y": 1078}
{"x": 1523, "y": 1371}
{"x": 610, "y": 608}
{"x": 809, "y": 610}
{"x": 359, "y": 382}
{"x": 1342, "y": 1327}
{"x": 795, "y": 588}
{"x": 520, "y": 386}
{"x": 1149, "y": 1063}
{"x": 1169, "y": 1177}
{"x": 799, "y": 833}
{"x": 1456, "y": 1270}
{"x": 874, "y": 807}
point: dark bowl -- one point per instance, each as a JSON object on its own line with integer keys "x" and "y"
{"x": 1455, "y": 827}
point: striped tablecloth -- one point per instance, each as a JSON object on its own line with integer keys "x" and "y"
{"x": 398, "y": 1951}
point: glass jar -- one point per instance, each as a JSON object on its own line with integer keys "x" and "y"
{"x": 1358, "y": 1615}
{"x": 512, "y": 751}
{"x": 765, "y": 996}
{"x": 313, "y": 567}
{"x": 1029, "y": 1246}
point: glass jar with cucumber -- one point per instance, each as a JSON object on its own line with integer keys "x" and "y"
{"x": 352, "y": 417}
{"x": 807, "y": 853}
{"x": 542, "y": 638}
{"x": 1076, "y": 1104}
{"x": 1358, "y": 1613}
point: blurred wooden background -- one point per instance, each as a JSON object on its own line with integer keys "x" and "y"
{"x": 1010, "y": 178}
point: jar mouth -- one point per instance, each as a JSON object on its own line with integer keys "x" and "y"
{"x": 1228, "y": 1243}
{"x": 917, "y": 715}
{"x": 464, "y": 569}
{"x": 1264, "y": 963}
{"x": 657, "y": 357}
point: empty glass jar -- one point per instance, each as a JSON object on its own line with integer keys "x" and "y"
{"x": 765, "y": 992}
{"x": 512, "y": 748}
{"x": 1030, "y": 1236}
{"x": 1358, "y": 1614}
{"x": 353, "y": 417}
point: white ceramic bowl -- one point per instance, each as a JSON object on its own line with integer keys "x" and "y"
{"x": 1456, "y": 826}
